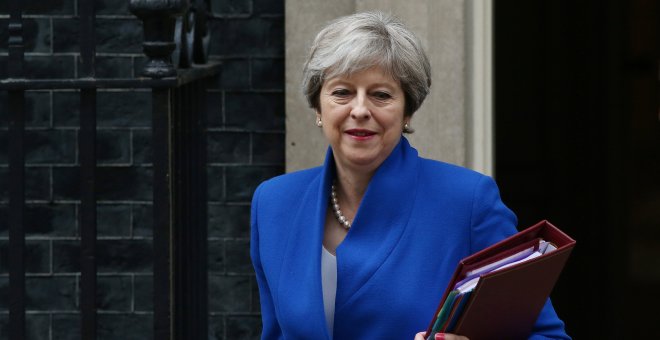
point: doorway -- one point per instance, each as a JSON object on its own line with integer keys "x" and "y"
{"x": 577, "y": 142}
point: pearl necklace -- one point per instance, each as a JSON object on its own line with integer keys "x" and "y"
{"x": 343, "y": 221}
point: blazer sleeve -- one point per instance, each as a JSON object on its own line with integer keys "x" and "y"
{"x": 491, "y": 222}
{"x": 271, "y": 328}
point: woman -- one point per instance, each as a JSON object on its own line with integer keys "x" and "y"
{"x": 363, "y": 246}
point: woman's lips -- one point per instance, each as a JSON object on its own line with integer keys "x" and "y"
{"x": 360, "y": 134}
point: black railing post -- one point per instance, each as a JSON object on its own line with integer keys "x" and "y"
{"x": 159, "y": 18}
{"x": 17, "y": 175}
{"x": 87, "y": 151}
{"x": 162, "y": 212}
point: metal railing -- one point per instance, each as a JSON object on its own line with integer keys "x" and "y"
{"x": 179, "y": 160}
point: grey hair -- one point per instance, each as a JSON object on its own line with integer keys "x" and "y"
{"x": 360, "y": 41}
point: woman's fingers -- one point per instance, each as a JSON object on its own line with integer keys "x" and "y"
{"x": 447, "y": 336}
{"x": 441, "y": 336}
{"x": 420, "y": 336}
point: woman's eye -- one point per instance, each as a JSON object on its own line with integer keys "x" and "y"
{"x": 382, "y": 95}
{"x": 340, "y": 93}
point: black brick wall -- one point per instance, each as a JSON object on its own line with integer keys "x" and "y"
{"x": 245, "y": 146}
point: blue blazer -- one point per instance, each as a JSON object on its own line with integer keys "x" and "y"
{"x": 417, "y": 219}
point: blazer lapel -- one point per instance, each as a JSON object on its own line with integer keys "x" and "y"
{"x": 300, "y": 278}
{"x": 379, "y": 223}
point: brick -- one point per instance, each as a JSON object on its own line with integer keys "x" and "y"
{"x": 64, "y": 325}
{"x": 142, "y": 220}
{"x": 50, "y": 146}
{"x": 243, "y": 327}
{"x": 235, "y": 75}
{"x": 125, "y": 326}
{"x": 64, "y": 7}
{"x": 112, "y": 35}
{"x": 216, "y": 256}
{"x": 4, "y": 299}
{"x": 66, "y": 256}
{"x": 228, "y": 147}
{"x": 66, "y": 108}
{"x": 119, "y": 35}
{"x": 259, "y": 111}
{"x": 112, "y": 256}
{"x": 37, "y": 256}
{"x": 114, "y": 293}
{"x": 268, "y": 148}
{"x": 4, "y": 114}
{"x": 50, "y": 293}
{"x": 3, "y": 66}
{"x": 141, "y": 146}
{"x": 4, "y": 184}
{"x": 228, "y": 221}
{"x": 112, "y": 183}
{"x": 216, "y": 183}
{"x": 230, "y": 293}
{"x": 138, "y": 64}
{"x": 242, "y": 181}
{"x": 235, "y": 7}
{"x": 113, "y": 220}
{"x": 36, "y": 35}
{"x": 44, "y": 67}
{"x": 113, "y": 67}
{"x": 238, "y": 257}
{"x": 50, "y": 220}
{"x": 37, "y": 326}
{"x": 4, "y": 220}
{"x": 271, "y": 7}
{"x": 258, "y": 37}
{"x": 113, "y": 146}
{"x": 126, "y": 108}
{"x": 112, "y": 7}
{"x": 66, "y": 35}
{"x": 144, "y": 293}
{"x": 268, "y": 73}
{"x": 125, "y": 256}
{"x": 37, "y": 183}
{"x": 37, "y": 108}
{"x": 4, "y": 257}
{"x": 256, "y": 301}
{"x": 214, "y": 102}
{"x": 4, "y": 147}
{"x": 216, "y": 327}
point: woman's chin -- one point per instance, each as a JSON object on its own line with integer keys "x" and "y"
{"x": 364, "y": 161}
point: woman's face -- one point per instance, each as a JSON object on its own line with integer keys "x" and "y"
{"x": 362, "y": 117}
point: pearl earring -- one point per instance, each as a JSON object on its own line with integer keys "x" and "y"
{"x": 319, "y": 123}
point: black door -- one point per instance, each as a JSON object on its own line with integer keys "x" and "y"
{"x": 578, "y": 142}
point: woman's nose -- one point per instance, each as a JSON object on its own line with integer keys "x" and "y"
{"x": 360, "y": 109}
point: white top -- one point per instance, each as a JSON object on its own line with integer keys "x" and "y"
{"x": 329, "y": 283}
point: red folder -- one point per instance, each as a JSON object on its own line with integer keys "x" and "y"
{"x": 505, "y": 304}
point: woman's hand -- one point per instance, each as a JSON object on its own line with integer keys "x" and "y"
{"x": 441, "y": 336}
